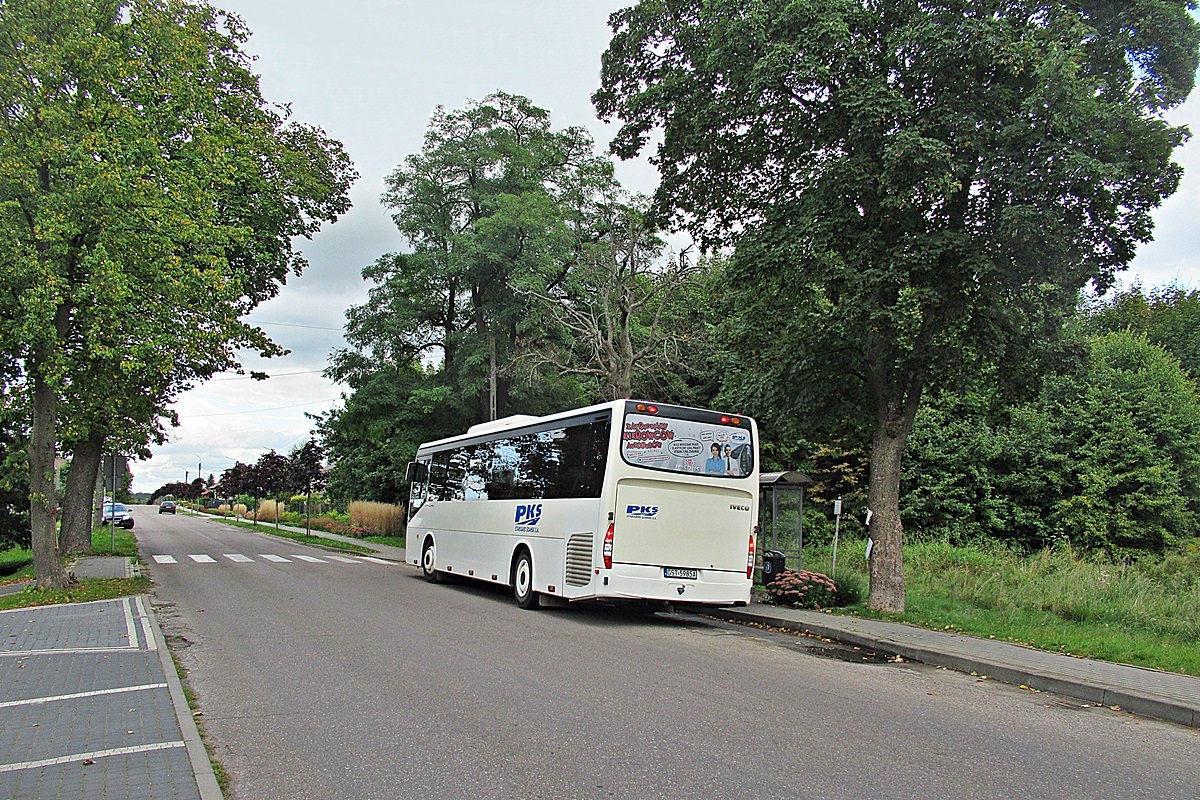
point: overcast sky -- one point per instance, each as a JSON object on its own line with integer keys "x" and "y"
{"x": 370, "y": 72}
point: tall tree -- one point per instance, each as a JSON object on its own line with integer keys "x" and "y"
{"x": 496, "y": 197}
{"x": 143, "y": 181}
{"x": 307, "y": 467}
{"x": 907, "y": 175}
{"x": 612, "y": 305}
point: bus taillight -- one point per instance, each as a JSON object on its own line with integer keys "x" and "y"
{"x": 749, "y": 558}
{"x": 608, "y": 540}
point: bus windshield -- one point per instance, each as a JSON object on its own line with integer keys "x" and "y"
{"x": 687, "y": 446}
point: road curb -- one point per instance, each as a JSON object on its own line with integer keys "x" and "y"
{"x": 206, "y": 780}
{"x": 1144, "y": 704}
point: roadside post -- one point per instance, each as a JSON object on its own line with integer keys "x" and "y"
{"x": 837, "y": 522}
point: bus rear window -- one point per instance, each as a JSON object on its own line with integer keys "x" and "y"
{"x": 687, "y": 446}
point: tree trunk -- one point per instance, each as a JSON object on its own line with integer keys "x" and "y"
{"x": 47, "y": 560}
{"x": 79, "y": 502}
{"x": 885, "y": 529}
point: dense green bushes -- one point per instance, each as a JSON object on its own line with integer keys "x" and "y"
{"x": 1105, "y": 457}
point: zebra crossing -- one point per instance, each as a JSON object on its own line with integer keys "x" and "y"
{"x": 273, "y": 558}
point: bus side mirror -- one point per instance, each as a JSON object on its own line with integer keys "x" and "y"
{"x": 417, "y": 472}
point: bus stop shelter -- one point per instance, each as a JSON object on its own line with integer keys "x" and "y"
{"x": 781, "y": 512}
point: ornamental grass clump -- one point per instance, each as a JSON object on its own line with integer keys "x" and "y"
{"x": 382, "y": 518}
{"x": 803, "y": 589}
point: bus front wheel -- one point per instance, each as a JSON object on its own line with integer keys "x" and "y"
{"x": 523, "y": 581}
{"x": 429, "y": 562}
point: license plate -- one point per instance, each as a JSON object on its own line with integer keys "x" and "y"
{"x": 677, "y": 572}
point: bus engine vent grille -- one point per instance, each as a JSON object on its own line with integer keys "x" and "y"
{"x": 579, "y": 559}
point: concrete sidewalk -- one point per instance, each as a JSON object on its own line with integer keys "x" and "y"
{"x": 1149, "y": 692}
{"x": 92, "y": 707}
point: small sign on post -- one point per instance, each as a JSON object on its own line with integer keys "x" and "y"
{"x": 837, "y": 523}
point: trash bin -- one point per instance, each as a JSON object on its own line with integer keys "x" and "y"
{"x": 774, "y": 562}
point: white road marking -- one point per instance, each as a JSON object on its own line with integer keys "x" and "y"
{"x": 374, "y": 560}
{"x": 133, "y": 636}
{"x": 165, "y": 560}
{"x": 116, "y": 751}
{"x": 200, "y": 558}
{"x": 144, "y": 618}
{"x": 342, "y": 559}
{"x": 309, "y": 559}
{"x": 238, "y": 557}
{"x": 61, "y": 650}
{"x": 121, "y": 690}
{"x": 275, "y": 558}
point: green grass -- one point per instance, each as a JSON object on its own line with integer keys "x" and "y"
{"x": 16, "y": 564}
{"x": 83, "y": 592}
{"x": 390, "y": 541}
{"x": 102, "y": 542}
{"x": 295, "y": 536}
{"x": 1145, "y": 613}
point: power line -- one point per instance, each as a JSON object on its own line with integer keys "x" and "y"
{"x": 279, "y": 375}
{"x": 294, "y": 325}
{"x": 260, "y": 410}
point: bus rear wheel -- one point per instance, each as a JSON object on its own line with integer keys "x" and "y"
{"x": 429, "y": 562}
{"x": 523, "y": 581}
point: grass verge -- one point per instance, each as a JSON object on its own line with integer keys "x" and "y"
{"x": 295, "y": 536}
{"x": 120, "y": 542}
{"x": 83, "y": 592}
{"x": 1145, "y": 612}
{"x": 16, "y": 564}
{"x": 390, "y": 541}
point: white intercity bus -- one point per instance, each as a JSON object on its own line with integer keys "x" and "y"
{"x": 625, "y": 500}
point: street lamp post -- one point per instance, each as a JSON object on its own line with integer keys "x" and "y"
{"x": 199, "y": 474}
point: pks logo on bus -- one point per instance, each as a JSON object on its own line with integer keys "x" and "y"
{"x": 641, "y": 512}
{"x": 528, "y": 516}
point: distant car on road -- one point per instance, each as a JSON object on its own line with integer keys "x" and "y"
{"x": 166, "y": 507}
{"x": 116, "y": 514}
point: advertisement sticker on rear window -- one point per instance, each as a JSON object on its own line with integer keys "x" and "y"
{"x": 686, "y": 446}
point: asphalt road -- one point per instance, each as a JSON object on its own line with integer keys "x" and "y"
{"x": 340, "y": 680}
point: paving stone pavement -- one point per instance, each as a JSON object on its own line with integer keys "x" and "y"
{"x": 90, "y": 707}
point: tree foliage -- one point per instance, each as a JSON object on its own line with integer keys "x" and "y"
{"x": 494, "y": 200}
{"x": 1168, "y": 316}
{"x": 180, "y": 490}
{"x": 149, "y": 197}
{"x": 1106, "y": 457}
{"x": 905, "y": 178}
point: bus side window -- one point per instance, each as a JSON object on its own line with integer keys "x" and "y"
{"x": 438, "y": 468}
{"x": 456, "y": 469}
{"x": 418, "y": 484}
{"x": 582, "y": 454}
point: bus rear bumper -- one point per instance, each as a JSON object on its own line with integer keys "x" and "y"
{"x": 709, "y": 588}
